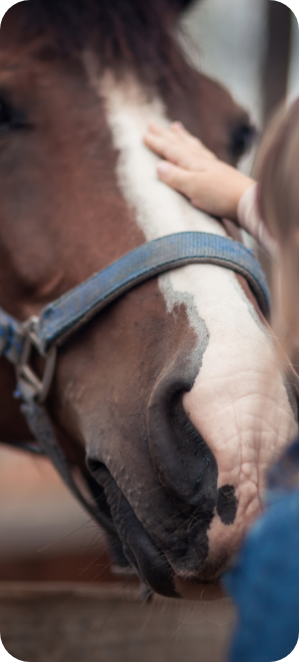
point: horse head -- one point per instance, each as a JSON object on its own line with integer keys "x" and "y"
{"x": 173, "y": 393}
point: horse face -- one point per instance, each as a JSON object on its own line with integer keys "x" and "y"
{"x": 218, "y": 412}
{"x": 173, "y": 391}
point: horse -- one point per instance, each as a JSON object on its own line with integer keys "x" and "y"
{"x": 171, "y": 399}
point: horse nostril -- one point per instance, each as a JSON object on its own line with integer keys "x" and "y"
{"x": 185, "y": 465}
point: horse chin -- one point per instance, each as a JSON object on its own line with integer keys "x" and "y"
{"x": 190, "y": 590}
{"x": 179, "y": 586}
{"x": 204, "y": 585}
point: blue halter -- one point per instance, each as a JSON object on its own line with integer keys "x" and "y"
{"x": 63, "y": 317}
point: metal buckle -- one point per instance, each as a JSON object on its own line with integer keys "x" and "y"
{"x": 30, "y": 385}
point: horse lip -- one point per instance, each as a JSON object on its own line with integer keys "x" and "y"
{"x": 205, "y": 584}
{"x": 144, "y": 556}
{"x": 138, "y": 547}
{"x": 158, "y": 564}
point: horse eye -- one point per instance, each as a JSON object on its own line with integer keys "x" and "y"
{"x": 10, "y": 118}
{"x": 242, "y": 139}
{"x": 5, "y": 114}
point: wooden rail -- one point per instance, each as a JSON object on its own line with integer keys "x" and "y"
{"x": 71, "y": 623}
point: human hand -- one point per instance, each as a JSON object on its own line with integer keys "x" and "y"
{"x": 190, "y": 168}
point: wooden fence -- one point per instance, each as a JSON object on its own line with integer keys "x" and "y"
{"x": 73, "y": 623}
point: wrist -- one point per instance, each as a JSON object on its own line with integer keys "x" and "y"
{"x": 242, "y": 184}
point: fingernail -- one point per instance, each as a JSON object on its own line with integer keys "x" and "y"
{"x": 178, "y": 125}
{"x": 163, "y": 168}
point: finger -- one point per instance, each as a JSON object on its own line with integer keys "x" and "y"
{"x": 169, "y": 150}
{"x": 157, "y": 143}
{"x": 177, "y": 149}
{"x": 181, "y": 132}
{"x": 166, "y": 132}
{"x": 154, "y": 142}
{"x": 177, "y": 178}
{"x": 159, "y": 135}
{"x": 155, "y": 128}
{"x": 177, "y": 127}
{"x": 158, "y": 130}
{"x": 197, "y": 145}
{"x": 176, "y": 133}
{"x": 177, "y": 153}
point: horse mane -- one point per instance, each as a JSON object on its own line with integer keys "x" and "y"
{"x": 127, "y": 35}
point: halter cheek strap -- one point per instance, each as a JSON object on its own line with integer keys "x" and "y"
{"x": 61, "y": 318}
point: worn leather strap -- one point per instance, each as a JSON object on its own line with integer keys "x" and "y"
{"x": 61, "y": 318}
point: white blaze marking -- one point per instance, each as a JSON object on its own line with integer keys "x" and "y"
{"x": 238, "y": 402}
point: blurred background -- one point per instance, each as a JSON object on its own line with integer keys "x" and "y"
{"x": 252, "y": 47}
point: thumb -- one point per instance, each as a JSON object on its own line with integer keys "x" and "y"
{"x": 179, "y": 179}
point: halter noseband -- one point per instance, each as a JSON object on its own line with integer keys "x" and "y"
{"x": 61, "y": 318}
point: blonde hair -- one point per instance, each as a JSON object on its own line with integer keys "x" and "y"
{"x": 278, "y": 198}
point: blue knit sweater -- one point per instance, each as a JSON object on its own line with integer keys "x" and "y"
{"x": 264, "y": 582}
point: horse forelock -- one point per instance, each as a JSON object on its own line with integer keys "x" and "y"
{"x": 126, "y": 35}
